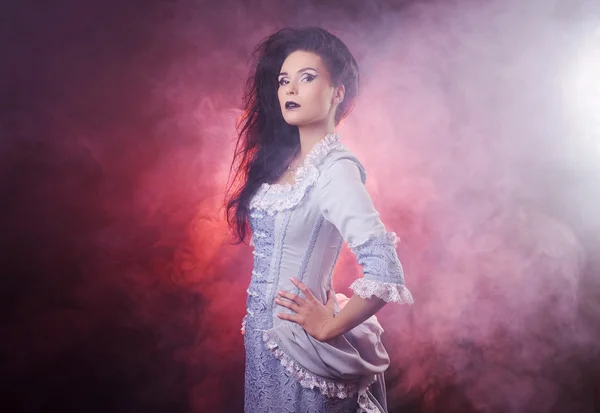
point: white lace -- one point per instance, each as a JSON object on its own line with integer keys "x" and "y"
{"x": 279, "y": 197}
{"x": 365, "y": 405}
{"x": 308, "y": 380}
{"x": 243, "y": 329}
{"x": 388, "y": 292}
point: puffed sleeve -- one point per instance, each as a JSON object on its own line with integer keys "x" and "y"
{"x": 344, "y": 201}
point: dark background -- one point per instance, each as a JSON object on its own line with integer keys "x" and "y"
{"x": 120, "y": 291}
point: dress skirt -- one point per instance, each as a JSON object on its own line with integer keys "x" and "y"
{"x": 270, "y": 388}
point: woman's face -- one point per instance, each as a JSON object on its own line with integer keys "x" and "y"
{"x": 306, "y": 95}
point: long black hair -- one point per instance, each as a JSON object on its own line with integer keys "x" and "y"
{"x": 266, "y": 144}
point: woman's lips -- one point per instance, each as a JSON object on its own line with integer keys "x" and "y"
{"x": 291, "y": 105}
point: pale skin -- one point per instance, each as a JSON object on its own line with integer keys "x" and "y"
{"x": 305, "y": 80}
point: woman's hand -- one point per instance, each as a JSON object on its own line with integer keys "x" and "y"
{"x": 311, "y": 314}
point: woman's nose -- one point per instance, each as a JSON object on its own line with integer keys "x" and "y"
{"x": 291, "y": 90}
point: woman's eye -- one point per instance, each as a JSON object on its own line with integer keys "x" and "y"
{"x": 283, "y": 81}
{"x": 308, "y": 78}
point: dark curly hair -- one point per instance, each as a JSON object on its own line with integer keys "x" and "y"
{"x": 266, "y": 144}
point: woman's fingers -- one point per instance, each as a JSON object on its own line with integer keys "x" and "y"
{"x": 294, "y": 302}
{"x": 291, "y": 317}
{"x": 292, "y": 297}
{"x": 330, "y": 300}
{"x": 287, "y": 304}
{"x": 307, "y": 293}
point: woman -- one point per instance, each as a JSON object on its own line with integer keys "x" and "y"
{"x": 302, "y": 194}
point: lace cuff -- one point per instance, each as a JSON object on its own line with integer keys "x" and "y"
{"x": 378, "y": 258}
{"x": 388, "y": 292}
{"x": 384, "y": 277}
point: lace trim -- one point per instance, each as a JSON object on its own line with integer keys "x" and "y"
{"x": 243, "y": 329}
{"x": 308, "y": 380}
{"x": 365, "y": 405}
{"x": 388, "y": 292}
{"x": 278, "y": 197}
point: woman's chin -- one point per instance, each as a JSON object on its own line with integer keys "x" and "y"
{"x": 297, "y": 121}
{"x": 294, "y": 122}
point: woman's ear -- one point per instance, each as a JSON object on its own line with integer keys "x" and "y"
{"x": 340, "y": 92}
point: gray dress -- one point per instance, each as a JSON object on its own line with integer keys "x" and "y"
{"x": 298, "y": 230}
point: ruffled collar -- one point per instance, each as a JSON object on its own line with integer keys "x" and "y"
{"x": 278, "y": 197}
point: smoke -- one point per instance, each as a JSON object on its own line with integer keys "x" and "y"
{"x": 477, "y": 123}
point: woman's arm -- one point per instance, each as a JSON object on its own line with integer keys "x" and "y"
{"x": 356, "y": 311}
{"x": 318, "y": 319}
{"x": 344, "y": 201}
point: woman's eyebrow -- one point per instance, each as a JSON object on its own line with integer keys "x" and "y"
{"x": 299, "y": 71}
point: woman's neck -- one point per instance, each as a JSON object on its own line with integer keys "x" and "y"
{"x": 309, "y": 136}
